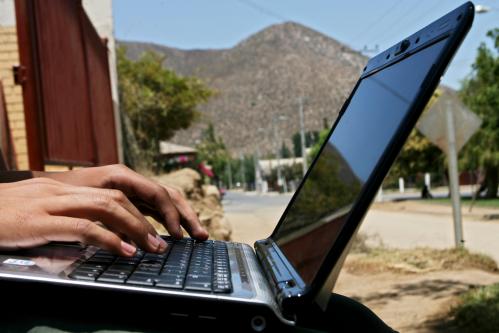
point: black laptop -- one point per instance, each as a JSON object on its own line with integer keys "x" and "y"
{"x": 287, "y": 276}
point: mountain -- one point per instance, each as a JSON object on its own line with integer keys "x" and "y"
{"x": 262, "y": 78}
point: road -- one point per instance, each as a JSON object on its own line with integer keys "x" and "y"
{"x": 255, "y": 216}
{"x": 407, "y": 230}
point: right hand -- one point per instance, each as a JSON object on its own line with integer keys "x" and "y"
{"x": 40, "y": 210}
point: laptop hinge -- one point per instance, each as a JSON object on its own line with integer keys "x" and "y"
{"x": 283, "y": 279}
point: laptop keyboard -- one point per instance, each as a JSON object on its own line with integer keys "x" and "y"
{"x": 186, "y": 264}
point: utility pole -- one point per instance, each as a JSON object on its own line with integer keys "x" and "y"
{"x": 302, "y": 137}
{"x": 277, "y": 151}
{"x": 258, "y": 174}
{"x": 229, "y": 173}
{"x": 454, "y": 176}
{"x": 243, "y": 171}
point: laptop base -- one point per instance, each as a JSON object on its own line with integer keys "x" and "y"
{"x": 83, "y": 309}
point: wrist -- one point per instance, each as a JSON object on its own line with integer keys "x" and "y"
{"x": 38, "y": 174}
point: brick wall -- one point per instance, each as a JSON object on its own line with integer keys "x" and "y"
{"x": 9, "y": 56}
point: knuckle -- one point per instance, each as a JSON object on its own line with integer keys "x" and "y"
{"x": 104, "y": 202}
{"x": 175, "y": 193}
{"x": 120, "y": 168}
{"x": 118, "y": 196}
{"x": 83, "y": 228}
{"x": 160, "y": 191}
{"x": 115, "y": 172}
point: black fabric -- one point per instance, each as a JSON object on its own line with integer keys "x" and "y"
{"x": 14, "y": 176}
{"x": 344, "y": 314}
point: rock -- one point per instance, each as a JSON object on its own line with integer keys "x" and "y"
{"x": 187, "y": 180}
{"x": 211, "y": 190}
{"x": 204, "y": 199}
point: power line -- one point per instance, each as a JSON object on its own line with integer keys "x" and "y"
{"x": 386, "y": 37}
{"x": 376, "y": 21}
{"x": 263, "y": 10}
{"x": 394, "y": 24}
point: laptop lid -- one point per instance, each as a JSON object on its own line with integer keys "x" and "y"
{"x": 312, "y": 236}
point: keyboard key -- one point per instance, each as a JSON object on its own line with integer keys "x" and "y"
{"x": 170, "y": 271}
{"x": 225, "y": 288}
{"x": 201, "y": 286}
{"x": 155, "y": 256}
{"x": 170, "y": 281}
{"x": 98, "y": 260}
{"x": 88, "y": 270}
{"x": 86, "y": 276}
{"x": 87, "y": 265}
{"x": 147, "y": 269}
{"x": 198, "y": 278}
{"x": 109, "y": 277}
{"x": 141, "y": 279}
{"x": 127, "y": 261}
{"x": 109, "y": 273}
{"x": 118, "y": 272}
{"x": 119, "y": 267}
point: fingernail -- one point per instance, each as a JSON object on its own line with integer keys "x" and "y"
{"x": 128, "y": 248}
{"x": 162, "y": 244}
{"x": 153, "y": 241}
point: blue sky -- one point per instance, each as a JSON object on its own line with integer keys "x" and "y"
{"x": 190, "y": 24}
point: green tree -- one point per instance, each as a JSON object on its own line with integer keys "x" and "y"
{"x": 244, "y": 164}
{"x": 285, "y": 152}
{"x": 318, "y": 144}
{"x": 296, "y": 139}
{"x": 212, "y": 151}
{"x": 418, "y": 155}
{"x": 480, "y": 92}
{"x": 310, "y": 139}
{"x": 156, "y": 101}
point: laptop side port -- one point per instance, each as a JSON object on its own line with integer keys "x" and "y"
{"x": 258, "y": 323}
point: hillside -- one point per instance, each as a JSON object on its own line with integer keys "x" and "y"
{"x": 263, "y": 76}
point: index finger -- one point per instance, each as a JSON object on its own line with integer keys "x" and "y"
{"x": 151, "y": 193}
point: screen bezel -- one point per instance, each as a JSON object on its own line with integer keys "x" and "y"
{"x": 454, "y": 37}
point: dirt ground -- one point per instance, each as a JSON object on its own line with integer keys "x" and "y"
{"x": 414, "y": 303}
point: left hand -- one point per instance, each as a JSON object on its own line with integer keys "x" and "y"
{"x": 164, "y": 203}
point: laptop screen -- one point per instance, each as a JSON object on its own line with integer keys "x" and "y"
{"x": 320, "y": 209}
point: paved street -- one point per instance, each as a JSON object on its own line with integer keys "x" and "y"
{"x": 406, "y": 230}
{"x": 254, "y": 217}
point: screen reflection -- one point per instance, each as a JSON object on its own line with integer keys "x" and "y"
{"x": 319, "y": 210}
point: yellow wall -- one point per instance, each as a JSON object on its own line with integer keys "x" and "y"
{"x": 9, "y": 56}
